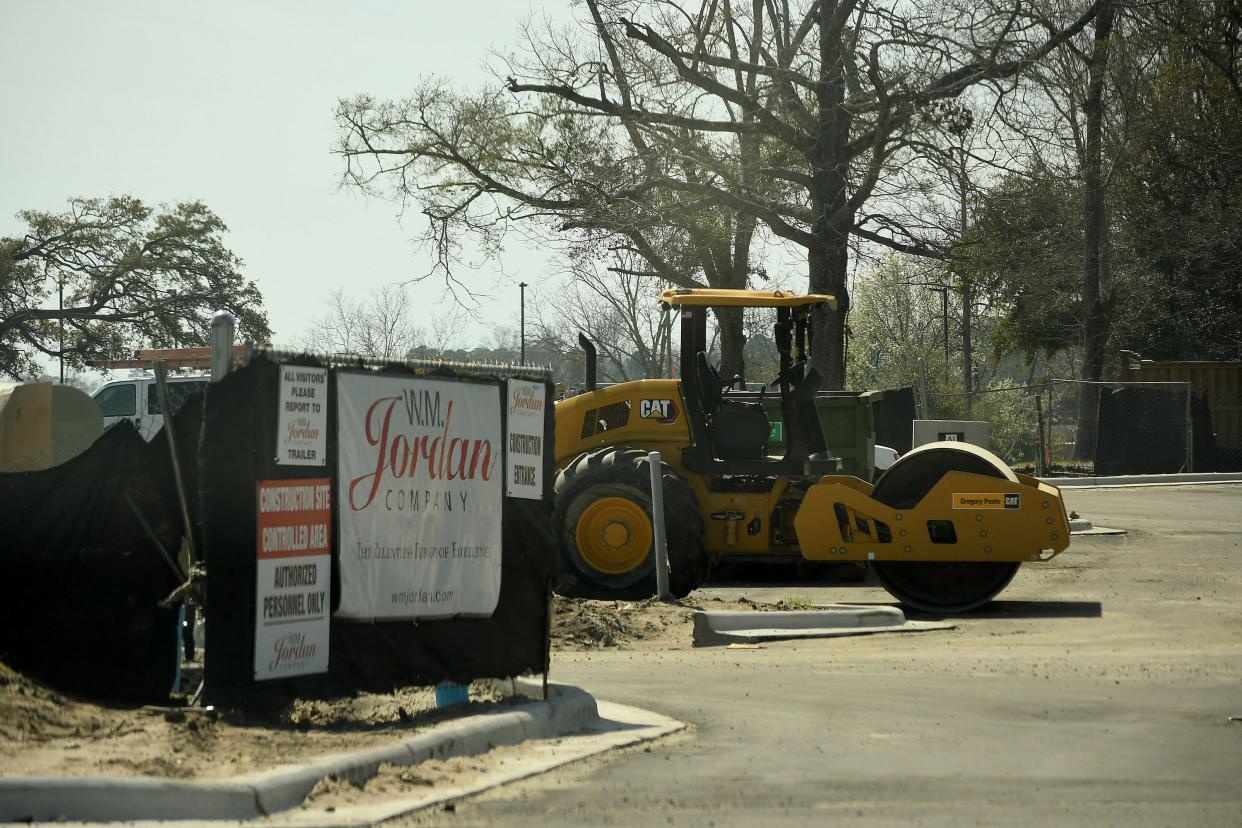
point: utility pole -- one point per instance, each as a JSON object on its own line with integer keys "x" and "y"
{"x": 60, "y": 291}
{"x": 943, "y": 290}
{"x": 522, "y": 288}
{"x": 944, "y": 310}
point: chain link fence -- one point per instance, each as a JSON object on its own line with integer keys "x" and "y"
{"x": 1077, "y": 428}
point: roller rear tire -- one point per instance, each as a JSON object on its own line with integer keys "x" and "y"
{"x": 603, "y": 526}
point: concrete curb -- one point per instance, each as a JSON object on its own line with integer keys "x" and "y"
{"x": 618, "y": 726}
{"x": 1144, "y": 480}
{"x": 101, "y": 799}
{"x": 1082, "y": 526}
{"x": 715, "y": 628}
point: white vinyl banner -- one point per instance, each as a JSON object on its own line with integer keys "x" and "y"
{"x": 302, "y": 424}
{"x": 419, "y": 496}
{"x": 525, "y": 403}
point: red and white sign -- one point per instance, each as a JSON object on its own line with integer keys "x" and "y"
{"x": 419, "y": 493}
{"x": 294, "y": 577}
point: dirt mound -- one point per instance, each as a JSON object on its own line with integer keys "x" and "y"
{"x": 583, "y": 624}
{"x": 30, "y": 712}
{"x": 375, "y": 710}
{"x": 45, "y": 732}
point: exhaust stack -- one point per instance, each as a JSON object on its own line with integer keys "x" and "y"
{"x": 588, "y": 347}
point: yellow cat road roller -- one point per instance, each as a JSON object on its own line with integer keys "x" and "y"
{"x": 944, "y": 529}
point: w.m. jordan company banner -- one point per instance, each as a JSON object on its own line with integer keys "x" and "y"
{"x": 419, "y": 488}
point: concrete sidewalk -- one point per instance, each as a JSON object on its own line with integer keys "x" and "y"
{"x": 568, "y": 710}
{"x": 1188, "y": 479}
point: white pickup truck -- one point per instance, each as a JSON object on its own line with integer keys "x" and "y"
{"x": 137, "y": 399}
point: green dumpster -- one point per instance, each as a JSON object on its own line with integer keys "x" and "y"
{"x": 846, "y": 419}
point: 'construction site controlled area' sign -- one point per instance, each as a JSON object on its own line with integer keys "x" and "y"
{"x": 419, "y": 496}
{"x": 294, "y": 578}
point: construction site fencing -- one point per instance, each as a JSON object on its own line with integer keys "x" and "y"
{"x": 342, "y": 523}
{"x": 414, "y": 591}
{"x": 1067, "y": 427}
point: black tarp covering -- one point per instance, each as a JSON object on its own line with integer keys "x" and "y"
{"x": 1208, "y": 456}
{"x": 1141, "y": 431}
{"x": 893, "y": 415}
{"x": 80, "y": 579}
{"x": 237, "y": 450}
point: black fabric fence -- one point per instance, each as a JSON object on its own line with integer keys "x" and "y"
{"x": 894, "y": 414}
{"x": 80, "y": 578}
{"x": 237, "y": 450}
{"x": 1142, "y": 431}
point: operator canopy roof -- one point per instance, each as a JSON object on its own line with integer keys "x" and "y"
{"x": 706, "y": 297}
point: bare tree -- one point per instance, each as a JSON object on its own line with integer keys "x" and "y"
{"x": 784, "y": 114}
{"x": 378, "y": 326}
{"x": 616, "y": 305}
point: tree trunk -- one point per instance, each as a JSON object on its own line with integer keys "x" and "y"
{"x": 968, "y": 347}
{"x": 828, "y": 260}
{"x": 1095, "y": 311}
{"x": 732, "y": 342}
{"x": 827, "y": 275}
{"x": 727, "y": 265}
{"x": 968, "y": 298}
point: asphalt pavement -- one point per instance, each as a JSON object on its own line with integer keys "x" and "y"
{"x": 1097, "y": 691}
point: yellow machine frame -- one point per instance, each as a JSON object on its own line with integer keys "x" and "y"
{"x": 975, "y": 504}
{"x": 946, "y": 526}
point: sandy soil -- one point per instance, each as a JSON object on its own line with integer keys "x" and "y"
{"x": 48, "y": 733}
{"x": 580, "y": 625}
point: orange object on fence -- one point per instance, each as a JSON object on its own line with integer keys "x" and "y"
{"x": 194, "y": 358}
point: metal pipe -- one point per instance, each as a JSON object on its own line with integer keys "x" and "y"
{"x": 1040, "y": 444}
{"x": 154, "y": 538}
{"x": 522, "y": 287}
{"x": 221, "y": 344}
{"x": 655, "y": 463}
{"x": 161, "y": 386}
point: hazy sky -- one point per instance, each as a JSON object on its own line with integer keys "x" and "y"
{"x": 231, "y": 103}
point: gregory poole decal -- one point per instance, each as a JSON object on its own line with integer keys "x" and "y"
{"x": 418, "y": 496}
{"x": 986, "y": 500}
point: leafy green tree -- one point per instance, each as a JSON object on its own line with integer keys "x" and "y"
{"x": 896, "y": 322}
{"x": 1180, "y": 212}
{"x": 130, "y": 276}
{"x": 1025, "y": 249}
{"x": 1169, "y": 280}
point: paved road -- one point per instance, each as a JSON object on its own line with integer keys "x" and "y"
{"x": 1096, "y": 693}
